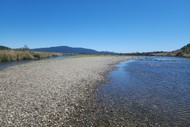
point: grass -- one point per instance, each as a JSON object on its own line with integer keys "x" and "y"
{"x": 85, "y": 55}
{"x": 18, "y": 55}
{"x": 186, "y": 55}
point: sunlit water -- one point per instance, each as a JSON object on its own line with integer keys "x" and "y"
{"x": 152, "y": 91}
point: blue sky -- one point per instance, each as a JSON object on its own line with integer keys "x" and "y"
{"x": 111, "y": 25}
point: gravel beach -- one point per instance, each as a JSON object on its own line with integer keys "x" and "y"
{"x": 47, "y": 92}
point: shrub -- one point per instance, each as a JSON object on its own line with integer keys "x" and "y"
{"x": 17, "y": 55}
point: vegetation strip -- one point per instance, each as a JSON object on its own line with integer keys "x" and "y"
{"x": 22, "y": 54}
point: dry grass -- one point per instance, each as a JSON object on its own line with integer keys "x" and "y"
{"x": 17, "y": 55}
{"x": 186, "y": 55}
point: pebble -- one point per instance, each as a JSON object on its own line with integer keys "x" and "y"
{"x": 46, "y": 93}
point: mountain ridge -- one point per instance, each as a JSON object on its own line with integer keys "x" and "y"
{"x": 67, "y": 49}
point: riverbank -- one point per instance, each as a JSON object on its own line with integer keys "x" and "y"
{"x": 47, "y": 93}
{"x": 8, "y": 55}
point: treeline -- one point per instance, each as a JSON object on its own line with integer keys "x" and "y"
{"x": 140, "y": 53}
{"x": 8, "y": 54}
{"x": 183, "y": 52}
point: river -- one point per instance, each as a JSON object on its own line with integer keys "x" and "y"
{"x": 152, "y": 91}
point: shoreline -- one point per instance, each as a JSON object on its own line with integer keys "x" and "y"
{"x": 47, "y": 93}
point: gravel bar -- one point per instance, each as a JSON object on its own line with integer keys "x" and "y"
{"x": 47, "y": 92}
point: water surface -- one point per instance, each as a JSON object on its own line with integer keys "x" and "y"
{"x": 153, "y": 91}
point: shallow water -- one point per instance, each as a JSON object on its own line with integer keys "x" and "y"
{"x": 153, "y": 91}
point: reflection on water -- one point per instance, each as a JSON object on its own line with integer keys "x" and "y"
{"x": 153, "y": 91}
{"x": 8, "y": 64}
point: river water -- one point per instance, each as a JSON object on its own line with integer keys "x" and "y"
{"x": 152, "y": 91}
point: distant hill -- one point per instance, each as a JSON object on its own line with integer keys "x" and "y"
{"x": 4, "y": 47}
{"x": 67, "y": 49}
{"x": 184, "y": 51}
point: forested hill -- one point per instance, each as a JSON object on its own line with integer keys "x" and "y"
{"x": 3, "y": 47}
{"x": 67, "y": 49}
{"x": 184, "y": 51}
{"x": 181, "y": 52}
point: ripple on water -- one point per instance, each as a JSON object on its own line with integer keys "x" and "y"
{"x": 152, "y": 91}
